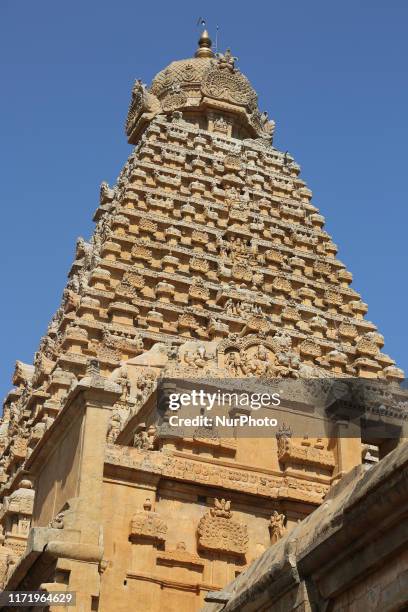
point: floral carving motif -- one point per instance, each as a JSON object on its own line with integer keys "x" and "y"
{"x": 174, "y": 99}
{"x": 148, "y": 225}
{"x": 218, "y": 531}
{"x": 223, "y": 83}
{"x": 199, "y": 265}
{"x": 141, "y": 252}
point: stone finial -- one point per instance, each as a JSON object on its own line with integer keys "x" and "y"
{"x": 204, "y": 46}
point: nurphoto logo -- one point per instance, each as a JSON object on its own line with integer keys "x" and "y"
{"x": 204, "y": 399}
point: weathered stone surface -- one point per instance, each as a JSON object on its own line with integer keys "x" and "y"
{"x": 208, "y": 260}
{"x": 350, "y": 552}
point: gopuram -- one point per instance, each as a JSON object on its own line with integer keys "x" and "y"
{"x": 208, "y": 260}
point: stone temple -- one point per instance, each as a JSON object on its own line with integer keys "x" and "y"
{"x": 208, "y": 260}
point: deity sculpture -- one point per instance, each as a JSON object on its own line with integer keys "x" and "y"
{"x": 277, "y": 527}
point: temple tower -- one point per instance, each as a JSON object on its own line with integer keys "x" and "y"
{"x": 208, "y": 259}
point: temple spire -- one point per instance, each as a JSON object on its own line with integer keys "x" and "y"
{"x": 204, "y": 46}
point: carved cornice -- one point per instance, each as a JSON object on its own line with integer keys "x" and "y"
{"x": 228, "y": 477}
{"x": 290, "y": 452}
{"x": 180, "y": 556}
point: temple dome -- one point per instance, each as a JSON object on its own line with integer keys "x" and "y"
{"x": 211, "y": 77}
{"x": 205, "y": 82}
{"x": 186, "y": 73}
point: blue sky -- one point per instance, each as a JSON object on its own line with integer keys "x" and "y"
{"x": 333, "y": 75}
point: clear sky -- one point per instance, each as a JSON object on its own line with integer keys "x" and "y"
{"x": 333, "y": 75}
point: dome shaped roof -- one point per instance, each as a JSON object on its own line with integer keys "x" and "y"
{"x": 197, "y": 83}
{"x": 212, "y": 77}
{"x": 206, "y": 74}
{"x": 187, "y": 72}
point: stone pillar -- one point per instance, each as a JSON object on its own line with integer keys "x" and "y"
{"x": 74, "y": 536}
{"x": 349, "y": 448}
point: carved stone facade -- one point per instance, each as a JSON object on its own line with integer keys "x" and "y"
{"x": 208, "y": 259}
{"x": 350, "y": 554}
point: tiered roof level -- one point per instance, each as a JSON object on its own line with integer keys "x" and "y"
{"x": 209, "y": 240}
